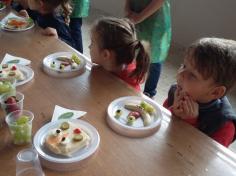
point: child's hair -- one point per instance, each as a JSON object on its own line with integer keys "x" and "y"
{"x": 215, "y": 58}
{"x": 119, "y": 35}
{"x": 50, "y": 5}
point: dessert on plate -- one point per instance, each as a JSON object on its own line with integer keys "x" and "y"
{"x": 11, "y": 71}
{"x": 66, "y": 139}
{"x": 16, "y": 23}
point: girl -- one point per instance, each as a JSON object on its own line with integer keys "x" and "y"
{"x": 115, "y": 47}
{"x": 44, "y": 13}
{"x": 153, "y": 22}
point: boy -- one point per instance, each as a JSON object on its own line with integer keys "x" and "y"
{"x": 207, "y": 74}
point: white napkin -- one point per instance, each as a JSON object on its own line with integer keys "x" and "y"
{"x": 64, "y": 113}
{"x": 15, "y": 60}
{"x": 10, "y": 15}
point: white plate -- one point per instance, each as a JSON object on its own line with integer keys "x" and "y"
{"x": 28, "y": 74}
{"x": 68, "y": 71}
{"x": 3, "y": 7}
{"x": 137, "y": 129}
{"x": 63, "y": 163}
{"x": 12, "y": 15}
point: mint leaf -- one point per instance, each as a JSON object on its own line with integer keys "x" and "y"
{"x": 66, "y": 115}
{"x": 15, "y": 61}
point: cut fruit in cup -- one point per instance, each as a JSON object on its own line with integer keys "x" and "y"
{"x": 20, "y": 125}
{"x": 12, "y": 102}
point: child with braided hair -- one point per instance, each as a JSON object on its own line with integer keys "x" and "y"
{"x": 115, "y": 47}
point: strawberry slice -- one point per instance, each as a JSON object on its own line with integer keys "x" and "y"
{"x": 11, "y": 100}
{"x": 13, "y": 68}
{"x": 77, "y": 131}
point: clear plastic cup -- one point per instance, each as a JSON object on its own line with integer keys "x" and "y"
{"x": 12, "y": 102}
{"x": 20, "y": 125}
{"x": 28, "y": 164}
{"x": 7, "y": 86}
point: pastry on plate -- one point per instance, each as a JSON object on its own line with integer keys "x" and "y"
{"x": 67, "y": 139}
{"x": 16, "y": 23}
{"x": 11, "y": 71}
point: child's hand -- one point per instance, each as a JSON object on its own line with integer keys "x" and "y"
{"x": 50, "y": 32}
{"x": 190, "y": 108}
{"x": 177, "y": 105}
{"x": 134, "y": 17}
{"x": 23, "y": 13}
{"x": 184, "y": 106}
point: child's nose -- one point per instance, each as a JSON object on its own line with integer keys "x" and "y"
{"x": 180, "y": 75}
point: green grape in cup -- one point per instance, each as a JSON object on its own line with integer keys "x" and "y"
{"x": 20, "y": 125}
{"x": 7, "y": 86}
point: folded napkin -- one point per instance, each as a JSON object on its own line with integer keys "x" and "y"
{"x": 9, "y": 59}
{"x": 64, "y": 113}
{"x": 10, "y": 15}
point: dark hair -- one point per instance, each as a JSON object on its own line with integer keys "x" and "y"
{"x": 216, "y": 58}
{"x": 119, "y": 35}
{"x": 64, "y": 4}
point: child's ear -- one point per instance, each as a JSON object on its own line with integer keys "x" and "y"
{"x": 218, "y": 92}
{"x": 106, "y": 54}
{"x": 41, "y": 6}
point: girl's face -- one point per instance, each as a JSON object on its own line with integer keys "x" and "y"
{"x": 37, "y": 5}
{"x": 34, "y": 4}
{"x": 193, "y": 84}
{"x": 95, "y": 51}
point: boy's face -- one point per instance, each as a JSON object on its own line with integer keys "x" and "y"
{"x": 191, "y": 82}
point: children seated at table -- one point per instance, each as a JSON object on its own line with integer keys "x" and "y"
{"x": 46, "y": 14}
{"x": 203, "y": 80}
{"x": 115, "y": 47}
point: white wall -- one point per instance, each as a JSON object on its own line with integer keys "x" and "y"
{"x": 113, "y": 7}
{"x": 191, "y": 19}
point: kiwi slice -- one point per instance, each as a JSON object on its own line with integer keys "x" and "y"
{"x": 130, "y": 120}
{"x": 65, "y": 126}
{"x": 118, "y": 113}
{"x": 78, "y": 137}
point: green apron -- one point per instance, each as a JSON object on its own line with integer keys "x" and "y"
{"x": 156, "y": 29}
{"x": 80, "y": 8}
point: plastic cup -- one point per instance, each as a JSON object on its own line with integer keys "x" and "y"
{"x": 9, "y": 106}
{"x": 20, "y": 125}
{"x": 7, "y": 86}
{"x": 28, "y": 164}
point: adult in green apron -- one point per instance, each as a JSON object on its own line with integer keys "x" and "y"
{"x": 80, "y": 10}
{"x": 153, "y": 24}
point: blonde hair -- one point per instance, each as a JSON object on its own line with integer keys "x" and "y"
{"x": 64, "y": 5}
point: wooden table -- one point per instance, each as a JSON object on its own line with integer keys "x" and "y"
{"x": 177, "y": 149}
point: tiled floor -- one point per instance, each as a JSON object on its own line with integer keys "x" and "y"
{"x": 169, "y": 68}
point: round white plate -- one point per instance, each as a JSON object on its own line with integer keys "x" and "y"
{"x": 28, "y": 74}
{"x": 4, "y": 26}
{"x": 137, "y": 129}
{"x": 68, "y": 71}
{"x": 63, "y": 163}
{"x": 3, "y": 7}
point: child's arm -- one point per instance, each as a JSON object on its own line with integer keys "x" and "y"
{"x": 50, "y": 32}
{"x": 151, "y": 8}
{"x": 225, "y": 134}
